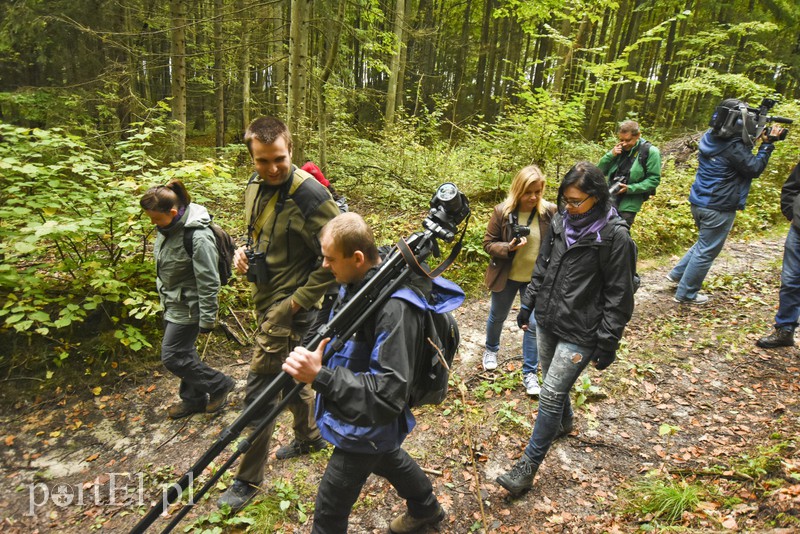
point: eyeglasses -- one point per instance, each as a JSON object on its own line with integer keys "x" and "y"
{"x": 576, "y": 204}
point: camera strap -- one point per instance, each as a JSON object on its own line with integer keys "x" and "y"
{"x": 513, "y": 217}
{"x": 414, "y": 265}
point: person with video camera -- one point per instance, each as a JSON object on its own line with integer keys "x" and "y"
{"x": 363, "y": 389}
{"x": 581, "y": 294}
{"x": 187, "y": 288}
{"x": 726, "y": 169}
{"x": 789, "y": 296}
{"x": 512, "y": 248}
{"x": 633, "y": 170}
{"x": 285, "y": 208}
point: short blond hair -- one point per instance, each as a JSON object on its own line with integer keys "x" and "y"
{"x": 350, "y": 232}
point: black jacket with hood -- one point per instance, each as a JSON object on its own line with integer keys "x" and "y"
{"x": 580, "y": 294}
{"x": 790, "y": 198}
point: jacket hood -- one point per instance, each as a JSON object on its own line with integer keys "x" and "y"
{"x": 196, "y": 216}
{"x": 711, "y": 145}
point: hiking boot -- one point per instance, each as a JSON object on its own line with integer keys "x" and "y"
{"x": 298, "y": 448}
{"x": 671, "y": 280}
{"x": 216, "y": 401}
{"x": 531, "y": 383}
{"x": 183, "y": 409}
{"x": 489, "y": 360}
{"x": 520, "y": 478}
{"x": 237, "y": 495}
{"x": 405, "y": 523}
{"x": 699, "y": 300}
{"x": 781, "y": 337}
{"x": 565, "y": 429}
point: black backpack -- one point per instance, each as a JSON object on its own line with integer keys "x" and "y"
{"x": 225, "y": 249}
{"x": 441, "y": 341}
{"x": 607, "y": 234}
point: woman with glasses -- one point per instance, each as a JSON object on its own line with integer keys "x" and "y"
{"x": 512, "y": 241}
{"x": 581, "y": 295}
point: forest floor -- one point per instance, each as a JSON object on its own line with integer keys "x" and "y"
{"x": 690, "y": 399}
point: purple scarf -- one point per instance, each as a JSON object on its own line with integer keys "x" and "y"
{"x": 591, "y": 222}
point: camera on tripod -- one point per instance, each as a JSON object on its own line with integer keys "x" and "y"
{"x": 733, "y": 118}
{"x": 257, "y": 271}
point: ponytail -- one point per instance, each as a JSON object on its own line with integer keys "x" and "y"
{"x": 163, "y": 198}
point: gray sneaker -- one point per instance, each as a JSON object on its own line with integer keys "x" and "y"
{"x": 237, "y": 495}
{"x": 671, "y": 280}
{"x": 699, "y": 300}
{"x": 489, "y": 360}
{"x": 531, "y": 382}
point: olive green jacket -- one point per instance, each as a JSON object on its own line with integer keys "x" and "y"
{"x": 188, "y": 286}
{"x": 290, "y": 238}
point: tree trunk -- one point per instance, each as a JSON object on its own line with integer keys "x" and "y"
{"x": 178, "y": 84}
{"x": 298, "y": 72}
{"x": 392, "y": 97}
{"x": 334, "y": 32}
{"x": 244, "y": 56}
{"x": 219, "y": 76}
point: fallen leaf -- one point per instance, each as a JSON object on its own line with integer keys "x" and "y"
{"x": 97, "y": 390}
{"x": 10, "y": 441}
{"x": 93, "y": 457}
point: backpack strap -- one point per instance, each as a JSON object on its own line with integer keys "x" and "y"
{"x": 188, "y": 245}
{"x": 644, "y": 153}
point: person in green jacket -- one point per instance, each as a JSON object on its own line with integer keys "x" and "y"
{"x": 630, "y": 182}
{"x": 187, "y": 287}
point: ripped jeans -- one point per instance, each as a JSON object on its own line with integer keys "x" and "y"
{"x": 562, "y": 363}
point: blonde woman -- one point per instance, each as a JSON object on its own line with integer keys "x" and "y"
{"x": 512, "y": 241}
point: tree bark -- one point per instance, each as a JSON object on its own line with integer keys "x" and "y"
{"x": 392, "y": 98}
{"x": 298, "y": 72}
{"x": 219, "y": 76}
{"x": 178, "y": 81}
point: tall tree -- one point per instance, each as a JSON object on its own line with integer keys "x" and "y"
{"x": 178, "y": 85}
{"x": 393, "y": 99}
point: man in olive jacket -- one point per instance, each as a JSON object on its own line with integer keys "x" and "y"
{"x": 631, "y": 182}
{"x": 789, "y": 296}
{"x": 285, "y": 208}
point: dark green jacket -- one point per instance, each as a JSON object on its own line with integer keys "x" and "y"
{"x": 289, "y": 236}
{"x": 641, "y": 181}
{"x": 188, "y": 286}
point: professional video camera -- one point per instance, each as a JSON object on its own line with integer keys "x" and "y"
{"x": 448, "y": 209}
{"x": 734, "y": 118}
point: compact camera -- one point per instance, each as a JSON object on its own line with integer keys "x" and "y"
{"x": 616, "y": 182}
{"x": 518, "y": 231}
{"x": 257, "y": 271}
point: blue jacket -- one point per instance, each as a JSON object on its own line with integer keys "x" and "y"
{"x": 362, "y": 392}
{"x": 726, "y": 169}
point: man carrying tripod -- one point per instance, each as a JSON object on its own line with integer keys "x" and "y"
{"x": 363, "y": 391}
{"x": 285, "y": 208}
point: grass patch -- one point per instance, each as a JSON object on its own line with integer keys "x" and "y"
{"x": 662, "y": 500}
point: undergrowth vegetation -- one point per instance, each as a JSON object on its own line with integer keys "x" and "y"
{"x": 77, "y": 274}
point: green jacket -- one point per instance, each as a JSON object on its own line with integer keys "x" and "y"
{"x": 289, "y": 236}
{"x": 641, "y": 181}
{"x": 188, "y": 286}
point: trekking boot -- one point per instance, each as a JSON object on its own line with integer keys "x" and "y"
{"x": 520, "y": 478}
{"x": 489, "y": 360}
{"x": 237, "y": 495}
{"x": 183, "y": 409}
{"x": 405, "y": 523}
{"x": 298, "y": 448}
{"x": 781, "y": 337}
{"x": 216, "y": 401}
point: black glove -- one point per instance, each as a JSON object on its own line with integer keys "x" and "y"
{"x": 523, "y": 317}
{"x": 205, "y": 330}
{"x": 603, "y": 358}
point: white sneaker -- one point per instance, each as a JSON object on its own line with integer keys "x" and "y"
{"x": 531, "y": 383}
{"x": 489, "y": 360}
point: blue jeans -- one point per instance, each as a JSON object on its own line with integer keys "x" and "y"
{"x": 713, "y": 229}
{"x": 562, "y": 364}
{"x": 789, "y": 297}
{"x": 498, "y": 312}
{"x": 348, "y": 471}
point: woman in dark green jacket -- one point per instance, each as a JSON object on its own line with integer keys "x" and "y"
{"x": 187, "y": 287}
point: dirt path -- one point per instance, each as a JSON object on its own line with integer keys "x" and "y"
{"x": 689, "y": 392}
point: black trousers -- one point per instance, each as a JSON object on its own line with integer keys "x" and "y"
{"x": 179, "y": 356}
{"x": 348, "y": 471}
